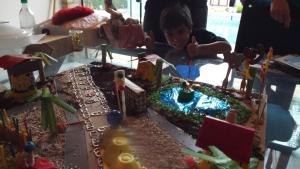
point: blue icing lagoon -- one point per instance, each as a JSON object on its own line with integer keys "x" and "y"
{"x": 200, "y": 103}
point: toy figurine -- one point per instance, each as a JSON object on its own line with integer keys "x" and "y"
{"x": 252, "y": 56}
{"x": 233, "y": 60}
{"x": 262, "y": 75}
{"x": 249, "y": 57}
{"x": 231, "y": 116}
{"x": 119, "y": 79}
{"x": 145, "y": 71}
{"x": 29, "y": 156}
{"x": 149, "y": 69}
{"x": 186, "y": 94}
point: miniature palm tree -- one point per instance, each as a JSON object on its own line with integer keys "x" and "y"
{"x": 48, "y": 118}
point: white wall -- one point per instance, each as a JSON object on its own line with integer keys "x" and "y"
{"x": 9, "y": 10}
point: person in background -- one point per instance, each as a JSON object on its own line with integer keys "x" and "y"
{"x": 121, "y": 32}
{"x": 116, "y": 15}
{"x": 177, "y": 27}
{"x": 112, "y": 10}
{"x": 273, "y": 23}
{"x": 153, "y": 9}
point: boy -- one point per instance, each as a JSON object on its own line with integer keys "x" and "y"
{"x": 153, "y": 9}
{"x": 176, "y": 24}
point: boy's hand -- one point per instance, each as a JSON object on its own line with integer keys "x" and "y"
{"x": 149, "y": 40}
{"x": 192, "y": 48}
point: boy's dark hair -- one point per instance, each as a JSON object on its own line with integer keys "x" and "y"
{"x": 175, "y": 16}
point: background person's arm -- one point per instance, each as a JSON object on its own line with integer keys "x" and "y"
{"x": 280, "y": 12}
{"x": 110, "y": 9}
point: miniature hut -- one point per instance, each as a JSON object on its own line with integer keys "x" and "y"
{"x": 20, "y": 70}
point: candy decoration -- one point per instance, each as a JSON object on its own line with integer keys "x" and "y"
{"x": 114, "y": 118}
{"x": 29, "y": 147}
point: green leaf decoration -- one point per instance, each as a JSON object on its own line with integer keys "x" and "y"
{"x": 45, "y": 58}
{"x": 220, "y": 160}
{"x": 109, "y": 52}
{"x": 46, "y": 92}
{"x": 51, "y": 116}
{"x": 44, "y": 113}
{"x": 158, "y": 67}
{"x": 253, "y": 163}
{"x": 199, "y": 155}
{"x": 58, "y": 101}
{"x": 48, "y": 118}
{"x": 35, "y": 96}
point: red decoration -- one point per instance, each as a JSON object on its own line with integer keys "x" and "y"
{"x": 61, "y": 127}
{"x": 121, "y": 88}
{"x": 190, "y": 162}
{"x": 68, "y": 14}
{"x": 8, "y": 61}
{"x": 234, "y": 140}
{"x": 40, "y": 163}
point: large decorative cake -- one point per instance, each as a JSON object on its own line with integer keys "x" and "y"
{"x": 186, "y": 104}
{"x": 188, "y": 112}
{"x": 207, "y": 100}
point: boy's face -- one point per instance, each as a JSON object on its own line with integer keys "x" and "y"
{"x": 178, "y": 37}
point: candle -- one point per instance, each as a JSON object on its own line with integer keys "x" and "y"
{"x": 24, "y": 136}
{"x": 22, "y": 139}
{"x": 6, "y": 118}
{"x": 25, "y": 125}
{"x": 29, "y": 135}
{"x": 2, "y": 157}
{"x": 16, "y": 124}
{"x": 11, "y": 149}
{"x": 2, "y": 118}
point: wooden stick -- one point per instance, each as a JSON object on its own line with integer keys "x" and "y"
{"x": 54, "y": 6}
{"x": 75, "y": 122}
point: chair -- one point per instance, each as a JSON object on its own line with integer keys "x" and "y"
{"x": 285, "y": 149}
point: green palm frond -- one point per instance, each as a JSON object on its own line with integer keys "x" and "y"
{"x": 220, "y": 160}
{"x": 45, "y": 58}
{"x": 58, "y": 101}
{"x": 35, "y": 96}
{"x": 48, "y": 118}
{"x": 44, "y": 112}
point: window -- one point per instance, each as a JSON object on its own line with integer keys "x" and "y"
{"x": 99, "y": 4}
{"x": 129, "y": 8}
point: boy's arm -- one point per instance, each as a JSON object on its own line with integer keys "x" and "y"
{"x": 197, "y": 50}
{"x": 280, "y": 12}
{"x": 149, "y": 40}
